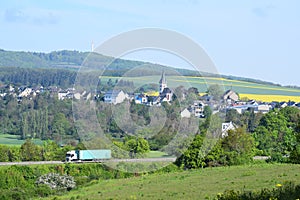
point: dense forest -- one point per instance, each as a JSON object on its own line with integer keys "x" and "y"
{"x": 37, "y": 77}
{"x": 43, "y": 117}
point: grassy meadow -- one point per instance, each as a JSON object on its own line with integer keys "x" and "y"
{"x": 14, "y": 140}
{"x": 250, "y": 90}
{"x": 156, "y": 154}
{"x": 193, "y": 184}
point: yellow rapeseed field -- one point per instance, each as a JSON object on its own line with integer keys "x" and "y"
{"x": 270, "y": 98}
{"x": 152, "y": 93}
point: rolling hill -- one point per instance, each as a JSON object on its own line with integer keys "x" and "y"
{"x": 67, "y": 59}
{"x": 64, "y": 64}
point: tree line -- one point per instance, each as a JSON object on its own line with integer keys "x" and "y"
{"x": 275, "y": 134}
{"x": 44, "y": 117}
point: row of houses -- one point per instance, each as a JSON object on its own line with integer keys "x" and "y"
{"x": 230, "y": 99}
{"x": 20, "y": 92}
{"x": 118, "y": 96}
{"x": 30, "y": 92}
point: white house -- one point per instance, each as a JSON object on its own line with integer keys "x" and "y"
{"x": 185, "y": 113}
{"x": 62, "y": 95}
{"x": 115, "y": 96}
{"x": 230, "y": 96}
{"x": 141, "y": 99}
{"x": 198, "y": 108}
{"x": 262, "y": 109}
{"x": 26, "y": 92}
{"x": 77, "y": 96}
{"x": 283, "y": 104}
{"x": 226, "y": 127}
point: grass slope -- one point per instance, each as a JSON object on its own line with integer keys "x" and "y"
{"x": 202, "y": 84}
{"x": 195, "y": 184}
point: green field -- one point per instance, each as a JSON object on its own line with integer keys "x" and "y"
{"x": 8, "y": 139}
{"x": 194, "y": 184}
{"x": 156, "y": 154}
{"x": 203, "y": 82}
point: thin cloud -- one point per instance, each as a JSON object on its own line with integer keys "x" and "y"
{"x": 30, "y": 16}
{"x": 263, "y": 12}
{"x": 15, "y": 15}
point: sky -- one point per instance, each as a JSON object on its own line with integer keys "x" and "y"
{"x": 251, "y": 38}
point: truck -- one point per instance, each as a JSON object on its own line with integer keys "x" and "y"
{"x": 88, "y": 155}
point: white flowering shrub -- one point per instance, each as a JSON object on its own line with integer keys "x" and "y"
{"x": 56, "y": 181}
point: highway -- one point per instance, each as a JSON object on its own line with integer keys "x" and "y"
{"x": 103, "y": 161}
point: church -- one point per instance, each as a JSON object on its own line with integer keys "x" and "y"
{"x": 165, "y": 93}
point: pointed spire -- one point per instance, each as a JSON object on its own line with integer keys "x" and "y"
{"x": 162, "y": 82}
{"x": 163, "y": 78}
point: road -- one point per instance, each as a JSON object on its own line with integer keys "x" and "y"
{"x": 112, "y": 160}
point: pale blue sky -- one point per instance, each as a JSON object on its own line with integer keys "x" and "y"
{"x": 251, "y": 38}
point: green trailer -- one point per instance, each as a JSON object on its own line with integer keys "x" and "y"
{"x": 88, "y": 155}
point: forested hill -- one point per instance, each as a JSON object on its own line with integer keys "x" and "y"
{"x": 12, "y": 61}
{"x": 66, "y": 59}
{"x": 61, "y": 59}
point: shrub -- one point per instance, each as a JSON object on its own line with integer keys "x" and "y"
{"x": 56, "y": 181}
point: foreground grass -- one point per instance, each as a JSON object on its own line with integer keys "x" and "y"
{"x": 194, "y": 184}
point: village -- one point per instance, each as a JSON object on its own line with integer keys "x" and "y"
{"x": 229, "y": 100}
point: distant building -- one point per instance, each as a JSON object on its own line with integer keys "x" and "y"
{"x": 165, "y": 93}
{"x": 162, "y": 82}
{"x": 185, "y": 113}
{"x": 226, "y": 127}
{"x": 77, "y": 96}
{"x": 283, "y": 104}
{"x": 25, "y": 92}
{"x": 230, "y": 96}
{"x": 115, "y": 96}
{"x": 263, "y": 108}
{"x": 141, "y": 99}
{"x": 291, "y": 103}
{"x": 257, "y": 108}
{"x": 62, "y": 95}
{"x": 197, "y": 109}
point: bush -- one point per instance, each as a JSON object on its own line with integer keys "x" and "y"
{"x": 56, "y": 181}
{"x": 277, "y": 157}
{"x": 295, "y": 155}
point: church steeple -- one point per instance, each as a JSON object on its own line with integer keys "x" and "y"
{"x": 162, "y": 82}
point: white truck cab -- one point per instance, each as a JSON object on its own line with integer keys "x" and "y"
{"x": 71, "y": 156}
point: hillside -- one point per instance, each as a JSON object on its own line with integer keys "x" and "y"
{"x": 194, "y": 184}
{"x": 66, "y": 59}
{"x": 73, "y": 59}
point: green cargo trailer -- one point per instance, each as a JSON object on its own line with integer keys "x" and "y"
{"x": 88, "y": 155}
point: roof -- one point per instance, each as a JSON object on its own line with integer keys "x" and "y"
{"x": 229, "y": 92}
{"x": 113, "y": 92}
{"x": 166, "y": 90}
{"x": 139, "y": 96}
